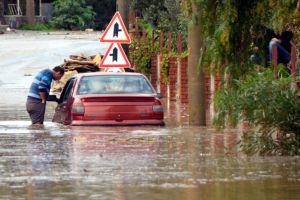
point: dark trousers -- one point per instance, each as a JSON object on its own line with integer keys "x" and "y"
{"x": 36, "y": 111}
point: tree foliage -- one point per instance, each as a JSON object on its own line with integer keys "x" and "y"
{"x": 72, "y": 14}
{"x": 163, "y": 15}
{"x": 270, "y": 106}
{"x": 225, "y": 26}
{"x": 226, "y": 29}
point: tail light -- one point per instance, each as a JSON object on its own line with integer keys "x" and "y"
{"x": 157, "y": 107}
{"x": 78, "y": 109}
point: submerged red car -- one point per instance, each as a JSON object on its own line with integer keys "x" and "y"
{"x": 105, "y": 98}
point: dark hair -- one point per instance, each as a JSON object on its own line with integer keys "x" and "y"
{"x": 287, "y": 35}
{"x": 59, "y": 69}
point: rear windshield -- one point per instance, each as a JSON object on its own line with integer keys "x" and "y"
{"x": 112, "y": 84}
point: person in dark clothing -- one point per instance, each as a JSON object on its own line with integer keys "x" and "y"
{"x": 263, "y": 40}
{"x": 255, "y": 57}
{"x": 261, "y": 37}
{"x": 39, "y": 91}
{"x": 283, "y": 44}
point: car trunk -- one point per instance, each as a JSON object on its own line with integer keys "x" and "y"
{"x": 118, "y": 108}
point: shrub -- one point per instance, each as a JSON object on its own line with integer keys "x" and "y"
{"x": 38, "y": 27}
{"x": 270, "y": 106}
{"x": 72, "y": 14}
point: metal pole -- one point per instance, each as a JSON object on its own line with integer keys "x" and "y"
{"x": 18, "y": 7}
{"x": 40, "y": 2}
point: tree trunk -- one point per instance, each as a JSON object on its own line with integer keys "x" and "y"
{"x": 196, "y": 81}
{"x": 123, "y": 8}
{"x": 2, "y": 21}
{"x": 30, "y": 12}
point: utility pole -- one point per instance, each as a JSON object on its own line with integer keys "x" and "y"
{"x": 30, "y": 12}
{"x": 196, "y": 82}
{"x": 123, "y": 8}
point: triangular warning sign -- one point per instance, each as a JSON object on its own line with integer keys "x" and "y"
{"x": 115, "y": 57}
{"x": 116, "y": 31}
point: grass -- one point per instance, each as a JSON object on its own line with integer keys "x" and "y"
{"x": 38, "y": 27}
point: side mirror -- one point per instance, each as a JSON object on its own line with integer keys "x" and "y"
{"x": 159, "y": 95}
{"x": 52, "y": 98}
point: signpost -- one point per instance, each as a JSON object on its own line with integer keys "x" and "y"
{"x": 115, "y": 33}
{"x": 115, "y": 57}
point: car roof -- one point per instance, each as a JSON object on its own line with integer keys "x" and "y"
{"x": 108, "y": 73}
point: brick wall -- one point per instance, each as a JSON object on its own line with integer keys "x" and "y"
{"x": 178, "y": 83}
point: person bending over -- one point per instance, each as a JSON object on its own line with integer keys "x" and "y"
{"x": 39, "y": 91}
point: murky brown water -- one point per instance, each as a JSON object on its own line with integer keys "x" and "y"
{"x": 143, "y": 162}
{"x": 175, "y": 162}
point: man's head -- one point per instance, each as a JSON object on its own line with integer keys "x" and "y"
{"x": 287, "y": 35}
{"x": 58, "y": 72}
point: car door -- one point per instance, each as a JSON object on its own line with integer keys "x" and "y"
{"x": 62, "y": 112}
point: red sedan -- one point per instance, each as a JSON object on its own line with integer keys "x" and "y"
{"x": 105, "y": 98}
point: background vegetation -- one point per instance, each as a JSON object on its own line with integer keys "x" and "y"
{"x": 162, "y": 15}
{"x": 225, "y": 29}
{"x": 80, "y": 14}
{"x": 271, "y": 107}
{"x": 72, "y": 14}
{"x": 156, "y": 16}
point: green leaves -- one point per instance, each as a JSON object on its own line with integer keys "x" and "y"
{"x": 72, "y": 14}
{"x": 270, "y": 106}
{"x": 225, "y": 29}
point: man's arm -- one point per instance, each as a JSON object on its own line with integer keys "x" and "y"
{"x": 43, "y": 96}
{"x": 44, "y": 84}
{"x": 276, "y": 40}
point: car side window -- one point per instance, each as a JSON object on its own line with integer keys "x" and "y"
{"x": 67, "y": 90}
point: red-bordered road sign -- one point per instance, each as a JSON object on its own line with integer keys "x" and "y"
{"x": 114, "y": 57}
{"x": 116, "y": 31}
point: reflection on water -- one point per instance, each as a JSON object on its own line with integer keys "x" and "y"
{"x": 61, "y": 162}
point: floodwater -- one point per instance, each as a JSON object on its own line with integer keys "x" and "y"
{"x": 176, "y": 162}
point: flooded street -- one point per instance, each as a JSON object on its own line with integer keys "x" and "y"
{"x": 59, "y": 162}
{"x": 176, "y": 162}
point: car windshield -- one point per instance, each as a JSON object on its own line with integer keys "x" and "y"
{"x": 112, "y": 84}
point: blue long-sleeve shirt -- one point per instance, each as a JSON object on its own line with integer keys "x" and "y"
{"x": 41, "y": 83}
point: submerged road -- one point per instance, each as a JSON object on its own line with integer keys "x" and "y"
{"x": 175, "y": 162}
